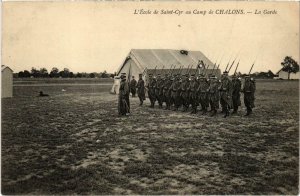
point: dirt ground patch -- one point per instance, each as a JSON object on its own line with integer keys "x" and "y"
{"x": 73, "y": 142}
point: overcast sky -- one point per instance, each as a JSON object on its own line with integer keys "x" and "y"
{"x": 97, "y": 36}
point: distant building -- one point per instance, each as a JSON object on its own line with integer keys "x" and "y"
{"x": 285, "y": 75}
{"x": 7, "y": 82}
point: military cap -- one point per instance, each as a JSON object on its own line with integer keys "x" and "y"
{"x": 247, "y": 76}
{"x": 140, "y": 74}
{"x": 150, "y": 74}
{"x": 225, "y": 73}
{"x": 123, "y": 73}
{"x": 193, "y": 75}
{"x": 122, "y": 76}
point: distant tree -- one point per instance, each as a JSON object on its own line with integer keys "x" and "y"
{"x": 16, "y": 75}
{"x": 78, "y": 75}
{"x": 92, "y": 75}
{"x": 26, "y": 74}
{"x": 71, "y": 75}
{"x": 104, "y": 75}
{"x": 21, "y": 74}
{"x": 290, "y": 65}
{"x": 35, "y": 73}
{"x": 54, "y": 73}
{"x": 44, "y": 72}
{"x": 65, "y": 73}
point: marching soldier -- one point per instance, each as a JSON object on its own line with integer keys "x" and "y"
{"x": 193, "y": 87}
{"x": 175, "y": 92}
{"x": 166, "y": 91}
{"x": 133, "y": 86}
{"x": 213, "y": 94}
{"x": 202, "y": 92}
{"x": 236, "y": 96}
{"x": 123, "y": 104}
{"x": 248, "y": 91}
{"x": 151, "y": 90}
{"x": 158, "y": 90}
{"x": 141, "y": 89}
{"x": 225, "y": 94}
{"x": 184, "y": 92}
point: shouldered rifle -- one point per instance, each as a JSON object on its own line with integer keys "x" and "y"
{"x": 154, "y": 72}
{"x": 251, "y": 68}
{"x": 216, "y": 69}
{"x": 190, "y": 69}
{"x": 173, "y": 70}
{"x": 170, "y": 69}
{"x": 236, "y": 67}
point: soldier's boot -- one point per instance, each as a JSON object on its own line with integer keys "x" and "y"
{"x": 204, "y": 111}
{"x": 226, "y": 113}
{"x": 248, "y": 112}
{"x": 160, "y": 105}
{"x": 214, "y": 112}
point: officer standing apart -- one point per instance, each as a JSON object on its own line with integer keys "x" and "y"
{"x": 123, "y": 103}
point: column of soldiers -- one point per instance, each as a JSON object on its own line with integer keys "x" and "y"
{"x": 190, "y": 91}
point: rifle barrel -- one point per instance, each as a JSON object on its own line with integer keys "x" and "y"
{"x": 251, "y": 68}
{"x": 236, "y": 68}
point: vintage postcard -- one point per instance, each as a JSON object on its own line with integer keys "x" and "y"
{"x": 150, "y": 98}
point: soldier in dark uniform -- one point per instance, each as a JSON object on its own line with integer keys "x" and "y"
{"x": 202, "y": 93}
{"x": 213, "y": 94}
{"x": 225, "y": 94}
{"x": 158, "y": 90}
{"x": 193, "y": 87}
{"x": 151, "y": 90}
{"x": 236, "y": 96}
{"x": 253, "y": 97}
{"x": 248, "y": 90}
{"x": 123, "y": 104}
{"x": 166, "y": 92}
{"x": 141, "y": 89}
{"x": 127, "y": 95}
{"x": 175, "y": 92}
{"x": 133, "y": 86}
{"x": 184, "y": 92}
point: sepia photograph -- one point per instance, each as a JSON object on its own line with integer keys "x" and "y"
{"x": 150, "y": 97}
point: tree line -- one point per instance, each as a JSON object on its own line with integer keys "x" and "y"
{"x": 56, "y": 73}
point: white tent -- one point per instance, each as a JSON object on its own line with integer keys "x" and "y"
{"x": 161, "y": 60}
{"x": 6, "y": 82}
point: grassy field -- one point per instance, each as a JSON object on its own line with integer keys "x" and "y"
{"x": 73, "y": 142}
